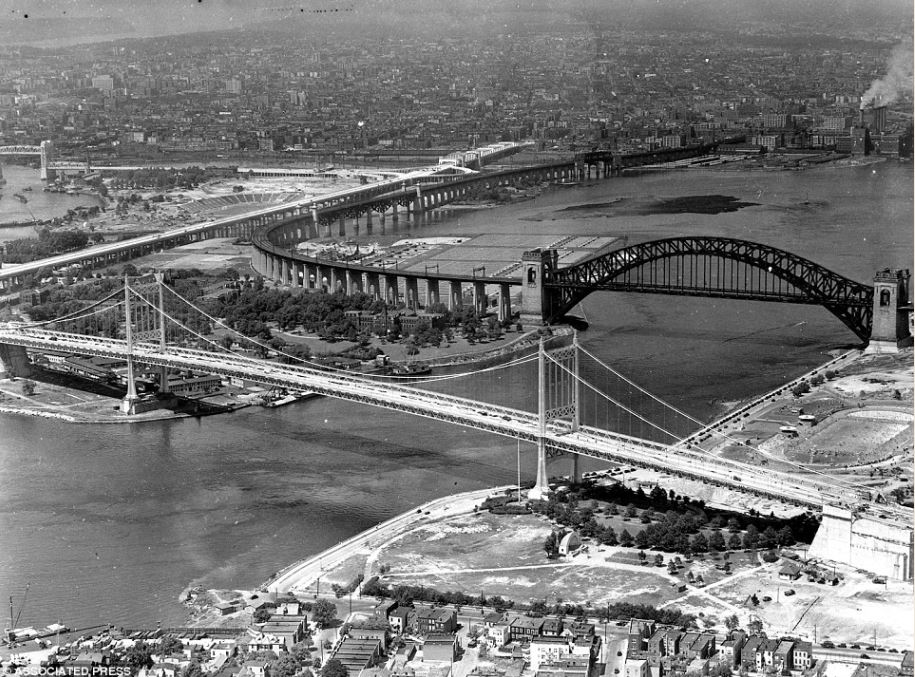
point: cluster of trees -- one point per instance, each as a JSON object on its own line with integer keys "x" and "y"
{"x": 406, "y": 594}
{"x": 124, "y": 203}
{"x": 249, "y": 310}
{"x": 63, "y": 301}
{"x": 296, "y": 661}
{"x": 803, "y": 526}
{"x": 684, "y": 527}
{"x": 48, "y": 243}
{"x": 352, "y": 586}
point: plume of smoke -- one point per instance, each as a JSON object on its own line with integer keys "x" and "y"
{"x": 898, "y": 79}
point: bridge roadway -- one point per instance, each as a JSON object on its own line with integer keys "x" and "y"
{"x": 587, "y": 441}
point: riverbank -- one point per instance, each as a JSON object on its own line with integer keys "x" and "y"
{"x": 349, "y": 558}
{"x": 358, "y": 554}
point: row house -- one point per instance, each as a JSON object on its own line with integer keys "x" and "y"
{"x": 523, "y": 628}
{"x": 729, "y": 649}
{"x": 761, "y": 654}
{"x": 401, "y": 618}
{"x": 429, "y": 621}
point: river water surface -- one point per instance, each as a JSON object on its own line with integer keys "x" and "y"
{"x": 110, "y": 522}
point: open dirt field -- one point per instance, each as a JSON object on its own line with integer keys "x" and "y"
{"x": 503, "y": 555}
{"x": 850, "y": 612}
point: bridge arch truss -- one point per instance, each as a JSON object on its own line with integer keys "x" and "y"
{"x": 714, "y": 267}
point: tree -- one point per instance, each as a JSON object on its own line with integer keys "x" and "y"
{"x": 301, "y": 651}
{"x": 642, "y": 540}
{"x": 800, "y": 389}
{"x": 334, "y": 668}
{"x": 551, "y": 545}
{"x": 732, "y": 622}
{"x": 716, "y": 541}
{"x": 659, "y": 560}
{"x": 285, "y": 666}
{"x": 324, "y": 613}
{"x": 786, "y": 536}
{"x": 699, "y": 543}
{"x": 139, "y": 656}
{"x": 192, "y": 670}
{"x": 751, "y": 537}
{"x": 539, "y": 607}
{"x": 626, "y": 539}
{"x": 169, "y": 644}
{"x": 262, "y": 615}
{"x": 642, "y": 556}
{"x": 769, "y": 538}
{"x": 27, "y": 388}
{"x": 734, "y": 542}
{"x": 608, "y": 536}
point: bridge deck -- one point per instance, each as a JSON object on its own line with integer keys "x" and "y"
{"x": 506, "y": 421}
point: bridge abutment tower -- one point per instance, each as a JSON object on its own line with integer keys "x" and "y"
{"x": 14, "y": 361}
{"x": 48, "y": 155}
{"x": 864, "y": 542}
{"x": 536, "y": 301}
{"x": 891, "y": 328}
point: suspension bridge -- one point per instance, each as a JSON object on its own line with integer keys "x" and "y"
{"x": 580, "y": 407}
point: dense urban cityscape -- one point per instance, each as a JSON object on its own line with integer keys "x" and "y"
{"x": 468, "y": 339}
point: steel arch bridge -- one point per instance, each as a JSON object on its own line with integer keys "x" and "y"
{"x": 715, "y": 267}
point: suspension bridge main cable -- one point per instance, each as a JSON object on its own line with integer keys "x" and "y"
{"x": 519, "y": 361}
{"x": 252, "y": 361}
{"x": 76, "y": 314}
{"x": 832, "y": 479}
{"x": 411, "y": 379}
{"x": 610, "y": 399}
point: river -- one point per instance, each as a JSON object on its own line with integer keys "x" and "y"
{"x": 40, "y": 205}
{"x": 110, "y": 523}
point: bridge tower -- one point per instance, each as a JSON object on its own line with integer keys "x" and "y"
{"x": 48, "y": 155}
{"x": 536, "y": 301}
{"x": 144, "y": 322}
{"x": 557, "y": 400}
{"x": 892, "y": 312}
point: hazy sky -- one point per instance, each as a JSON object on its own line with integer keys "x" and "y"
{"x": 157, "y": 17}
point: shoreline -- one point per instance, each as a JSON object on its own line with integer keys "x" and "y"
{"x": 302, "y": 574}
